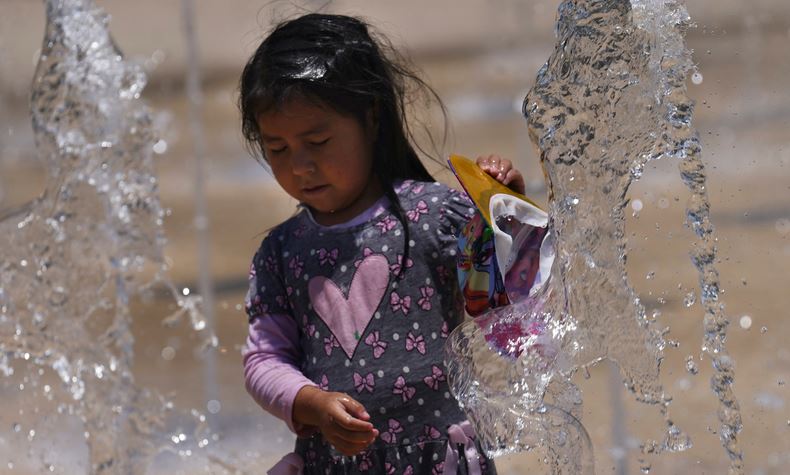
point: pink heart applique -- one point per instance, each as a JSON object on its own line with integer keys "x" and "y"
{"x": 347, "y": 317}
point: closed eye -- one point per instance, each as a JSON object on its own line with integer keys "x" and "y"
{"x": 318, "y": 143}
{"x": 276, "y": 150}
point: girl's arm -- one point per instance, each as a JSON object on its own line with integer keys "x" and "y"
{"x": 271, "y": 367}
{"x": 274, "y": 380}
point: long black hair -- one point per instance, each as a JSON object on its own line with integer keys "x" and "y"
{"x": 334, "y": 60}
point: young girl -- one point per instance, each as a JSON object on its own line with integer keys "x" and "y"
{"x": 351, "y": 299}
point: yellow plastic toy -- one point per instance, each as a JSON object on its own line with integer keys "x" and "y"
{"x": 479, "y": 185}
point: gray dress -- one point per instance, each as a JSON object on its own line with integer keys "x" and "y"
{"x": 373, "y": 335}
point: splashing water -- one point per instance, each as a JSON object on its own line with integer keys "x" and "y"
{"x": 611, "y": 97}
{"x": 73, "y": 258}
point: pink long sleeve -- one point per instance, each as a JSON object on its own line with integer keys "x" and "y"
{"x": 271, "y": 367}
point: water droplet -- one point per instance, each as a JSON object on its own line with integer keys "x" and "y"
{"x": 160, "y": 147}
{"x": 185, "y": 291}
{"x": 782, "y": 226}
{"x": 168, "y": 353}
{"x": 763, "y": 329}
{"x": 696, "y": 78}
{"x": 691, "y": 365}
{"x": 676, "y": 440}
{"x": 689, "y": 299}
{"x": 650, "y": 275}
{"x": 637, "y": 205}
{"x": 17, "y": 427}
{"x": 746, "y": 322}
{"x": 213, "y": 406}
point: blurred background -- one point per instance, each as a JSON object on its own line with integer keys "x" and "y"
{"x": 481, "y": 57}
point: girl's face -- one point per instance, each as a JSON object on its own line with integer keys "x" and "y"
{"x": 322, "y": 158}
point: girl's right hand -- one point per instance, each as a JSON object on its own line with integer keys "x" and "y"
{"x": 343, "y": 421}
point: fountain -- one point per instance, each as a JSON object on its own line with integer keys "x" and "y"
{"x": 76, "y": 255}
{"x": 611, "y": 98}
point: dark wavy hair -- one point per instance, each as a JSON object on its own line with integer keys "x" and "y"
{"x": 334, "y": 60}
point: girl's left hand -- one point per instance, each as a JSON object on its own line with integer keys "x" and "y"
{"x": 502, "y": 170}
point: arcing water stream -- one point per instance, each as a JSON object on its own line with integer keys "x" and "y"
{"x": 611, "y": 97}
{"x": 74, "y": 257}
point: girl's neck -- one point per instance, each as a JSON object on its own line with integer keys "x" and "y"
{"x": 372, "y": 192}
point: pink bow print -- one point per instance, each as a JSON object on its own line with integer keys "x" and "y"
{"x": 365, "y": 253}
{"x": 425, "y": 301}
{"x": 378, "y": 345}
{"x": 398, "y": 303}
{"x": 330, "y": 342}
{"x": 429, "y": 432}
{"x": 255, "y": 307}
{"x": 271, "y": 264}
{"x": 366, "y": 383}
{"x": 296, "y": 265}
{"x": 308, "y": 328}
{"x": 444, "y": 274}
{"x": 420, "y": 209}
{"x": 434, "y": 378}
{"x": 416, "y": 189}
{"x": 324, "y": 384}
{"x": 386, "y": 224}
{"x": 327, "y": 257}
{"x": 445, "y": 330}
{"x": 406, "y": 392}
{"x": 395, "y": 268}
{"x": 418, "y": 343}
{"x": 390, "y": 436}
{"x": 364, "y": 463}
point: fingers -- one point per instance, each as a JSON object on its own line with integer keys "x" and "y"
{"x": 351, "y": 436}
{"x": 351, "y": 415}
{"x": 354, "y": 407}
{"x": 342, "y": 421}
{"x": 503, "y": 171}
{"x": 348, "y": 434}
{"x": 495, "y": 166}
{"x": 515, "y": 181}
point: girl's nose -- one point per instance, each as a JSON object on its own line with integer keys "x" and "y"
{"x": 302, "y": 163}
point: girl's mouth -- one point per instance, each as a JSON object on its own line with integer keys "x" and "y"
{"x": 313, "y": 190}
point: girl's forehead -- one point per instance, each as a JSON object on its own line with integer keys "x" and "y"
{"x": 296, "y": 116}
